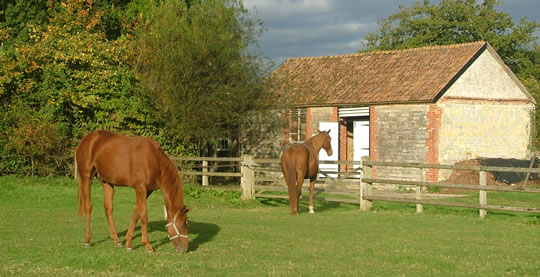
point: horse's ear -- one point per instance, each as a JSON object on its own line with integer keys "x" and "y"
{"x": 185, "y": 210}
{"x": 328, "y": 131}
{"x": 318, "y": 131}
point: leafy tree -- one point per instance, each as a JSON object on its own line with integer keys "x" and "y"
{"x": 69, "y": 79}
{"x": 16, "y": 17}
{"x": 453, "y": 21}
{"x": 197, "y": 70}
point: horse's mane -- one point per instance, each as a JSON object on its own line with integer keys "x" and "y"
{"x": 169, "y": 171}
{"x": 313, "y": 138}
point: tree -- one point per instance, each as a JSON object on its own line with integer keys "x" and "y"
{"x": 66, "y": 80}
{"x": 459, "y": 21}
{"x": 16, "y": 17}
{"x": 453, "y": 21}
{"x": 196, "y": 67}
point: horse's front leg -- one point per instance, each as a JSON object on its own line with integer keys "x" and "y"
{"x": 140, "y": 212}
{"x": 109, "y": 193}
{"x": 131, "y": 229}
{"x": 311, "y": 194}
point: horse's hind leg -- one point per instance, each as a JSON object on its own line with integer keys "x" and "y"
{"x": 311, "y": 195}
{"x": 109, "y": 193}
{"x": 85, "y": 205}
{"x": 299, "y": 184}
{"x": 293, "y": 198}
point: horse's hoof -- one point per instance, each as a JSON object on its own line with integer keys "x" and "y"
{"x": 118, "y": 244}
{"x": 129, "y": 249}
{"x": 311, "y": 212}
{"x": 150, "y": 251}
{"x": 87, "y": 245}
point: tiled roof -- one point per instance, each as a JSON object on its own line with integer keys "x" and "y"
{"x": 399, "y": 76}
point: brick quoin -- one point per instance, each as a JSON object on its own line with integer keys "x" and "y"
{"x": 334, "y": 117}
{"x": 309, "y": 119}
{"x": 434, "y": 116}
{"x": 372, "y": 137}
{"x": 286, "y": 130}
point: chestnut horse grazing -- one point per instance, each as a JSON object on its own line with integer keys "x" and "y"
{"x": 301, "y": 161}
{"x": 135, "y": 162}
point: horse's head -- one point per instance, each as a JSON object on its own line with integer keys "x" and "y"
{"x": 326, "y": 145}
{"x": 177, "y": 228}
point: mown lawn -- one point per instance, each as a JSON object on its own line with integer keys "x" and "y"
{"x": 40, "y": 234}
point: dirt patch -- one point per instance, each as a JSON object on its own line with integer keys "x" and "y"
{"x": 471, "y": 177}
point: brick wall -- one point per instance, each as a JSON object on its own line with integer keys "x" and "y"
{"x": 433, "y": 128}
{"x": 342, "y": 144}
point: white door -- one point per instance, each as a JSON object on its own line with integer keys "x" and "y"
{"x": 334, "y": 135}
{"x": 360, "y": 139}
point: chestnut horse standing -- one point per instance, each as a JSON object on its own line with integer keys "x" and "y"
{"x": 135, "y": 162}
{"x": 301, "y": 161}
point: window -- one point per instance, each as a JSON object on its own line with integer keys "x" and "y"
{"x": 297, "y": 125}
{"x": 223, "y": 144}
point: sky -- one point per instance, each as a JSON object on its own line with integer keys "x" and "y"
{"x": 305, "y": 28}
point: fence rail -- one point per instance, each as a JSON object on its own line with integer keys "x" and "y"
{"x": 261, "y": 176}
{"x": 482, "y": 187}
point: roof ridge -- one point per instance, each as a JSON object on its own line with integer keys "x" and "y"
{"x": 385, "y": 52}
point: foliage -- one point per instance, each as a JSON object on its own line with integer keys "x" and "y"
{"x": 17, "y": 17}
{"x": 66, "y": 80}
{"x": 459, "y": 21}
{"x": 453, "y": 22}
{"x": 196, "y": 67}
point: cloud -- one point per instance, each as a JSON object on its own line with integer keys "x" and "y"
{"x": 299, "y": 28}
{"x": 275, "y": 9}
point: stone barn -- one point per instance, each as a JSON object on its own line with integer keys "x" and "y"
{"x": 437, "y": 104}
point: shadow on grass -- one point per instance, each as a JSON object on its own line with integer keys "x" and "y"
{"x": 205, "y": 232}
{"x": 320, "y": 206}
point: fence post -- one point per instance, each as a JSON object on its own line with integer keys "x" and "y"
{"x": 365, "y": 188}
{"x": 248, "y": 177}
{"x": 483, "y": 194}
{"x": 419, "y": 207}
{"x": 205, "y": 170}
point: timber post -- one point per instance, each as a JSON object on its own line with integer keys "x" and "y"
{"x": 483, "y": 194}
{"x": 419, "y": 188}
{"x": 365, "y": 188}
{"x": 205, "y": 170}
{"x": 248, "y": 177}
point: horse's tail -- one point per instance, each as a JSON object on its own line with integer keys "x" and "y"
{"x": 292, "y": 175}
{"x": 289, "y": 172}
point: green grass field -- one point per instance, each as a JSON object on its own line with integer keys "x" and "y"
{"x": 41, "y": 235}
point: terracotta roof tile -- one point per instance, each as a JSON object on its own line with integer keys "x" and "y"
{"x": 397, "y": 76}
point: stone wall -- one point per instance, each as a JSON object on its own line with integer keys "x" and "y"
{"x": 490, "y": 130}
{"x": 263, "y": 134}
{"x": 320, "y": 114}
{"x": 400, "y": 135}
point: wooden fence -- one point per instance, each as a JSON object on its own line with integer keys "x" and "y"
{"x": 37, "y": 166}
{"x": 261, "y": 177}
